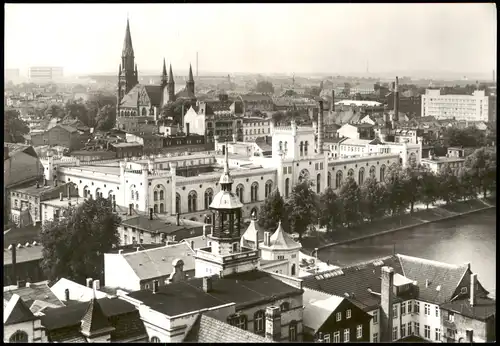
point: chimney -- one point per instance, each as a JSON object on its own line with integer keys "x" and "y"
{"x": 37, "y": 185}
{"x": 44, "y": 181}
{"x": 177, "y": 219}
{"x": 205, "y": 230}
{"x": 96, "y": 285}
{"x": 130, "y": 207}
{"x": 234, "y": 138}
{"x": 207, "y": 284}
{"x": 14, "y": 261}
{"x": 137, "y": 249}
{"x": 473, "y": 285}
{"x": 273, "y": 323}
{"x": 60, "y": 196}
{"x": 267, "y": 237}
{"x": 89, "y": 282}
{"x": 320, "y": 128}
{"x": 156, "y": 286}
{"x": 21, "y": 283}
{"x": 332, "y": 105}
{"x": 426, "y": 283}
{"x": 55, "y": 182}
{"x": 151, "y": 213}
{"x": 66, "y": 294}
{"x": 396, "y": 100}
{"x": 386, "y": 296}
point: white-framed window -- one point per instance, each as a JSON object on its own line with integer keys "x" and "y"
{"x": 437, "y": 311}
{"x": 359, "y": 331}
{"x": 451, "y": 316}
{"x": 417, "y": 328}
{"x": 394, "y": 333}
{"x": 394, "y": 311}
{"x": 338, "y": 316}
{"x": 438, "y": 334}
{"x": 416, "y": 307}
{"x": 403, "y": 308}
{"x": 409, "y": 306}
{"x": 403, "y": 330}
{"x": 427, "y": 332}
{"x": 336, "y": 337}
{"x": 410, "y": 331}
{"x": 375, "y": 317}
{"x": 347, "y": 334}
{"x": 326, "y": 337}
{"x": 259, "y": 321}
{"x": 348, "y": 314}
{"x": 427, "y": 309}
{"x": 292, "y": 332}
{"x": 375, "y": 338}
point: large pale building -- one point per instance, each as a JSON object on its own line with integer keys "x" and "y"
{"x": 461, "y": 107}
{"x": 45, "y": 73}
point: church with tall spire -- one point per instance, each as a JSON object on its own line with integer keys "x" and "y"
{"x": 139, "y": 105}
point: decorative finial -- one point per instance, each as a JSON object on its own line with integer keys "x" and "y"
{"x": 254, "y": 215}
{"x": 226, "y": 160}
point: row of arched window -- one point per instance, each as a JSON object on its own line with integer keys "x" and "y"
{"x": 303, "y": 148}
{"x": 124, "y": 113}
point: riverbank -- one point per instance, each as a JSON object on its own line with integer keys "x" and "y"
{"x": 442, "y": 212}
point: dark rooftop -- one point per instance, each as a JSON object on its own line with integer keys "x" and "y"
{"x": 242, "y": 288}
{"x": 22, "y": 235}
{"x": 36, "y": 291}
{"x": 31, "y": 189}
{"x": 484, "y": 308}
{"x": 155, "y": 225}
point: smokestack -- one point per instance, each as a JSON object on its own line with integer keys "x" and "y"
{"x": 66, "y": 294}
{"x": 177, "y": 219}
{"x": 88, "y": 282}
{"x": 396, "y": 100}
{"x": 130, "y": 206}
{"x": 320, "y": 128}
{"x": 207, "y": 284}
{"x": 151, "y": 213}
{"x": 60, "y": 196}
{"x": 386, "y": 292}
{"x": 14, "y": 261}
{"x": 473, "y": 285}
{"x": 273, "y": 323}
{"x": 332, "y": 106}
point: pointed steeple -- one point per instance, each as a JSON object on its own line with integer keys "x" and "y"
{"x": 128, "y": 50}
{"x": 190, "y": 78}
{"x": 226, "y": 180}
{"x": 164, "y": 77}
{"x": 94, "y": 321}
{"x": 164, "y": 72}
{"x": 170, "y": 75}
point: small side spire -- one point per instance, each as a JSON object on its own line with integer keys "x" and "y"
{"x": 170, "y": 75}
{"x": 164, "y": 72}
{"x": 190, "y": 79}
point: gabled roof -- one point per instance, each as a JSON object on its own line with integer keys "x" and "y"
{"x": 94, "y": 319}
{"x": 252, "y": 235}
{"x": 185, "y": 93}
{"x": 318, "y": 307}
{"x": 261, "y": 143}
{"x": 206, "y": 329}
{"x": 35, "y": 292}
{"x": 77, "y": 292}
{"x": 154, "y": 92}
{"x": 280, "y": 240}
{"x": 484, "y": 307}
{"x": 15, "y": 148}
{"x": 153, "y": 263}
{"x": 16, "y": 311}
{"x": 68, "y": 128}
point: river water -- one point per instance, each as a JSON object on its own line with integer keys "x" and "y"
{"x": 470, "y": 238}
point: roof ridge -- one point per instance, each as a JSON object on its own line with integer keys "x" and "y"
{"x": 433, "y": 262}
{"x": 153, "y": 249}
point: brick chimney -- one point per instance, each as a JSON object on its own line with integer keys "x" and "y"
{"x": 320, "y": 128}
{"x": 96, "y": 285}
{"x": 130, "y": 207}
{"x": 386, "y": 292}
{"x": 88, "y": 282}
{"x": 60, "y": 196}
{"x": 473, "y": 285}
{"x": 66, "y": 294}
{"x": 267, "y": 238}
{"x": 396, "y": 100}
{"x": 207, "y": 284}
{"x": 332, "y": 105}
{"x": 273, "y": 323}
{"x": 177, "y": 219}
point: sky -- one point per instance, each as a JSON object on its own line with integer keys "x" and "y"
{"x": 254, "y": 38}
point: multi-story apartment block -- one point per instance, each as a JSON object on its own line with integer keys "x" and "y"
{"x": 45, "y": 73}
{"x": 473, "y": 107}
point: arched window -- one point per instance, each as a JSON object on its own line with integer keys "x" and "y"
{"x": 155, "y": 209}
{"x": 155, "y": 340}
{"x": 301, "y": 148}
{"x": 155, "y": 195}
{"x": 286, "y": 146}
{"x": 239, "y": 192}
{"x": 350, "y": 173}
{"x": 177, "y": 203}
{"x": 281, "y": 146}
{"x": 285, "y": 306}
{"x": 192, "y": 197}
{"x": 254, "y": 192}
{"x": 137, "y": 195}
{"x": 306, "y": 145}
{"x": 292, "y": 331}
{"x": 287, "y": 187}
{"x": 144, "y": 112}
{"x": 85, "y": 191}
{"x": 361, "y": 176}
{"x": 329, "y": 180}
{"x": 338, "y": 179}
{"x": 209, "y": 195}
{"x": 132, "y": 194}
{"x": 382, "y": 173}
{"x": 318, "y": 183}
{"x": 161, "y": 195}
{"x": 162, "y": 208}
{"x": 293, "y": 269}
{"x": 19, "y": 336}
{"x": 268, "y": 187}
{"x": 372, "y": 172}
{"x": 259, "y": 321}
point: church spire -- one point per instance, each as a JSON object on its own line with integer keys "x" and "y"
{"x": 128, "y": 50}
{"x": 170, "y": 75}
{"x": 190, "y": 79}
{"x": 190, "y": 82}
{"x": 164, "y": 78}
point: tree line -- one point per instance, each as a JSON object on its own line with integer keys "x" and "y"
{"x": 401, "y": 189}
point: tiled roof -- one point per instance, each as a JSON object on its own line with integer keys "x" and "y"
{"x": 154, "y": 92}
{"x": 68, "y": 128}
{"x": 36, "y": 291}
{"x": 261, "y": 142}
{"x": 318, "y": 307}
{"x": 22, "y": 235}
{"x": 130, "y": 99}
{"x": 256, "y": 98}
{"x": 252, "y": 234}
{"x": 15, "y": 148}
{"x": 156, "y": 225}
{"x": 153, "y": 263}
{"x": 185, "y": 93}
{"x": 484, "y": 307}
{"x": 94, "y": 319}
{"x": 437, "y": 273}
{"x": 77, "y": 292}
{"x": 122, "y": 315}
{"x": 16, "y": 311}
{"x": 206, "y": 329}
{"x": 24, "y": 254}
{"x": 242, "y": 288}
{"x": 67, "y": 335}
{"x": 197, "y": 242}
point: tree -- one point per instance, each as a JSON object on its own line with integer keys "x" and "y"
{"x": 55, "y": 111}
{"x": 74, "y": 247}
{"x": 330, "y": 210}
{"x": 301, "y": 207}
{"x": 106, "y": 118}
{"x": 411, "y": 180}
{"x": 13, "y": 127}
{"x": 466, "y": 184}
{"x": 429, "y": 188}
{"x": 314, "y": 91}
{"x": 264, "y": 87}
{"x": 77, "y": 111}
{"x": 373, "y": 197}
{"x": 482, "y": 167}
{"x": 350, "y": 194}
{"x": 468, "y": 137}
{"x": 449, "y": 187}
{"x": 397, "y": 198}
{"x": 272, "y": 212}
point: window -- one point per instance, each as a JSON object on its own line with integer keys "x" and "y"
{"x": 285, "y": 306}
{"x": 427, "y": 309}
{"x": 155, "y": 195}
{"x": 209, "y": 194}
{"x": 403, "y": 308}
{"x": 463, "y": 290}
{"x": 451, "y": 316}
{"x": 348, "y": 314}
{"x": 409, "y": 329}
{"x": 427, "y": 331}
{"x": 292, "y": 331}
{"x": 347, "y": 335}
{"x": 437, "y": 311}
{"x": 403, "y": 330}
{"x": 239, "y": 321}
{"x": 416, "y": 307}
{"x": 375, "y": 317}
{"x": 19, "y": 336}
{"x": 438, "y": 334}
{"x": 359, "y": 331}
{"x": 338, "y": 316}
{"x": 336, "y": 337}
{"x": 375, "y": 338}
{"x": 394, "y": 311}
{"x": 239, "y": 192}
{"x": 254, "y": 189}
{"x": 259, "y": 321}
{"x": 326, "y": 338}
{"x": 192, "y": 199}
{"x": 417, "y": 328}
{"x": 394, "y": 333}
{"x": 281, "y": 257}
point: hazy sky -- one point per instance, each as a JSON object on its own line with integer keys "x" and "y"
{"x": 266, "y": 38}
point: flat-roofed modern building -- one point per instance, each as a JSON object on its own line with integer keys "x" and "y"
{"x": 460, "y": 107}
{"x": 45, "y": 73}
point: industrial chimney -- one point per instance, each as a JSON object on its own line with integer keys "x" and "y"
{"x": 320, "y": 128}
{"x": 386, "y": 299}
{"x": 332, "y": 105}
{"x": 396, "y": 101}
{"x": 151, "y": 213}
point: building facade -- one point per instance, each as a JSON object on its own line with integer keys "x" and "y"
{"x": 45, "y": 73}
{"x": 459, "y": 107}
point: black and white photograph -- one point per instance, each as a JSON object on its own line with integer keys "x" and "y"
{"x": 250, "y": 172}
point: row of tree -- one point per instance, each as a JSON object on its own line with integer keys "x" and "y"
{"x": 401, "y": 189}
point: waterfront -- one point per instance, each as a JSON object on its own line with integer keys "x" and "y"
{"x": 470, "y": 238}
